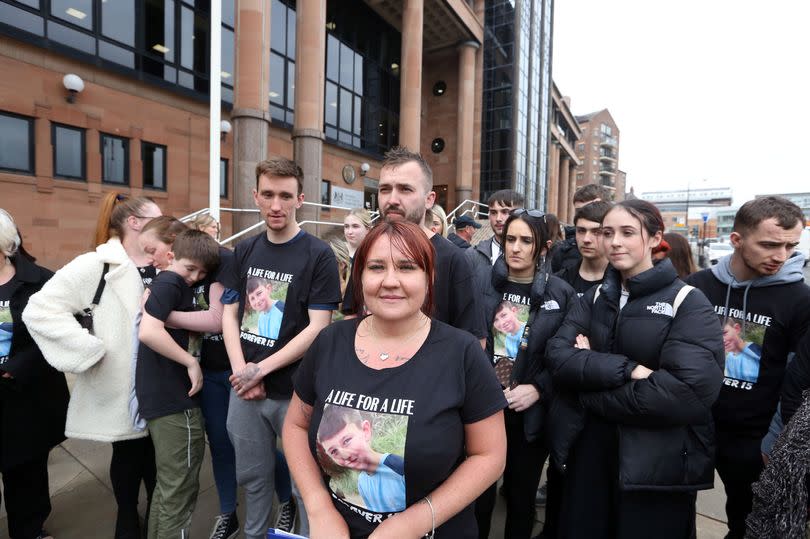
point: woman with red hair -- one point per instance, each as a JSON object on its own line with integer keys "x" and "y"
{"x": 389, "y": 389}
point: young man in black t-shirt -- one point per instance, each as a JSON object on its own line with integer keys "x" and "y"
{"x": 167, "y": 380}
{"x": 590, "y": 269}
{"x": 405, "y": 193}
{"x": 302, "y": 272}
{"x": 761, "y": 284}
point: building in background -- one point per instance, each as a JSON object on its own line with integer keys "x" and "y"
{"x": 332, "y": 84}
{"x": 563, "y": 160}
{"x": 516, "y": 98}
{"x": 802, "y": 200}
{"x": 598, "y": 152}
{"x": 725, "y": 222}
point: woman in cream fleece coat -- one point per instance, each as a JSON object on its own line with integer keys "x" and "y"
{"x": 99, "y": 403}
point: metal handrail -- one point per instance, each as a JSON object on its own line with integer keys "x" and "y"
{"x": 475, "y": 204}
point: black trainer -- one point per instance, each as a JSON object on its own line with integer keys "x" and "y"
{"x": 287, "y": 513}
{"x": 225, "y": 527}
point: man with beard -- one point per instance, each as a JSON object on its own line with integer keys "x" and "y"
{"x": 405, "y": 193}
{"x": 761, "y": 284}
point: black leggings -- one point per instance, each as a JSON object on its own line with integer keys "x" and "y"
{"x": 28, "y": 502}
{"x": 133, "y": 462}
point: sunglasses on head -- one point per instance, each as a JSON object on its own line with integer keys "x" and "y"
{"x": 537, "y": 214}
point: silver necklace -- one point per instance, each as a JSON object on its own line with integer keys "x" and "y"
{"x": 384, "y": 356}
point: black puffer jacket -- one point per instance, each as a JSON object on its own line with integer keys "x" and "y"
{"x": 665, "y": 426}
{"x": 551, "y": 298}
{"x": 565, "y": 253}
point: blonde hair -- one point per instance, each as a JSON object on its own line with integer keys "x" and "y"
{"x": 116, "y": 208}
{"x": 362, "y": 215}
{"x": 9, "y": 235}
{"x": 201, "y": 221}
{"x": 341, "y": 250}
{"x": 436, "y": 211}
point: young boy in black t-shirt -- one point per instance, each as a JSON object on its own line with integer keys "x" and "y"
{"x": 167, "y": 379}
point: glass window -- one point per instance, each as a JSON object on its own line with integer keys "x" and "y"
{"x": 114, "y": 159}
{"x": 78, "y": 12}
{"x": 227, "y": 56}
{"x": 71, "y": 38}
{"x": 228, "y": 12}
{"x": 115, "y": 54}
{"x": 332, "y": 58}
{"x": 331, "y": 104}
{"x": 223, "y": 178}
{"x": 326, "y": 189}
{"x": 193, "y": 40}
{"x": 346, "y": 66}
{"x": 68, "y": 152}
{"x": 24, "y": 20}
{"x": 30, "y": 3}
{"x": 118, "y": 20}
{"x": 153, "y": 157}
{"x": 291, "y": 33}
{"x": 16, "y": 143}
{"x": 278, "y": 29}
{"x": 159, "y": 28}
{"x": 345, "y": 110}
{"x": 276, "y": 79}
{"x": 290, "y": 85}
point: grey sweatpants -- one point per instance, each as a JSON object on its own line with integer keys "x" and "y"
{"x": 253, "y": 427}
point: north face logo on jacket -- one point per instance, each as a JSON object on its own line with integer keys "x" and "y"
{"x": 662, "y": 307}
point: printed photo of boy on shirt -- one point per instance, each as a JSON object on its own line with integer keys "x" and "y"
{"x": 360, "y": 474}
{"x": 743, "y": 345}
{"x": 265, "y": 307}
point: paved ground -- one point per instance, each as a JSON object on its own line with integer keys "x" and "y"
{"x": 84, "y": 507}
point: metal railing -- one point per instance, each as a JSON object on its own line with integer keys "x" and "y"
{"x": 472, "y": 207}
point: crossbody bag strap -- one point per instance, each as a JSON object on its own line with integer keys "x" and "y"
{"x": 101, "y": 284}
{"x": 523, "y": 348}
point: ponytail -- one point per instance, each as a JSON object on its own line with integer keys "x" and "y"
{"x": 115, "y": 209}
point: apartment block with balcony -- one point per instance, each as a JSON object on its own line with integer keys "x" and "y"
{"x": 598, "y": 152}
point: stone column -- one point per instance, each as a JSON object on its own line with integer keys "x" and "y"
{"x": 572, "y": 187}
{"x": 307, "y": 135}
{"x": 563, "y": 201}
{"x": 553, "y": 179}
{"x": 250, "y": 116}
{"x": 410, "y": 82}
{"x": 465, "y": 121}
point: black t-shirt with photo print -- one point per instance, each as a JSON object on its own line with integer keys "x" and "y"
{"x": 6, "y": 324}
{"x": 454, "y": 296}
{"x": 413, "y": 416}
{"x": 148, "y": 274}
{"x": 213, "y": 355}
{"x": 277, "y": 285}
{"x": 162, "y": 385}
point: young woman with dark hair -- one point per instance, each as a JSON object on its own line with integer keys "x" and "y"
{"x": 636, "y": 369}
{"x": 395, "y": 426}
{"x": 524, "y": 306}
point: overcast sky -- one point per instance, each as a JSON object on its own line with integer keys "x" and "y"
{"x": 713, "y": 90}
